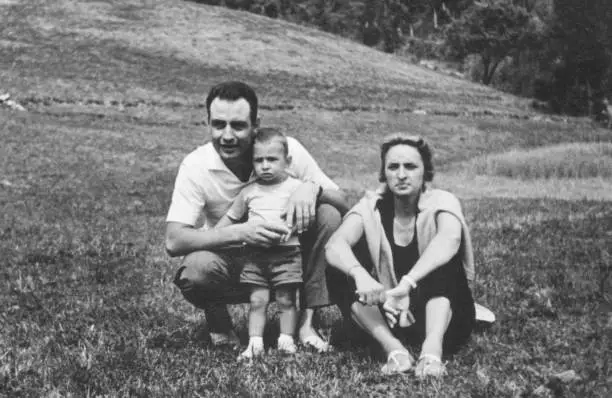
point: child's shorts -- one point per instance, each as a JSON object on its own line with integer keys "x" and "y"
{"x": 271, "y": 267}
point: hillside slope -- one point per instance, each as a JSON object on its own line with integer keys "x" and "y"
{"x": 144, "y": 67}
{"x": 158, "y": 51}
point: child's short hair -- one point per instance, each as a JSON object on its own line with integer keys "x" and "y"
{"x": 267, "y": 134}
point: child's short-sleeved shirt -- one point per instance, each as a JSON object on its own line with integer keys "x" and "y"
{"x": 265, "y": 202}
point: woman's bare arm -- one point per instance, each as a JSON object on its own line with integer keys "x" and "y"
{"x": 339, "y": 254}
{"x": 338, "y": 251}
{"x": 441, "y": 249}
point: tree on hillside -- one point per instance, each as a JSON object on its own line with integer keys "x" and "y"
{"x": 389, "y": 22}
{"x": 580, "y": 40}
{"x": 380, "y": 22}
{"x": 493, "y": 31}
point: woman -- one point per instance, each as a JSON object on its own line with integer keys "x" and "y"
{"x": 420, "y": 259}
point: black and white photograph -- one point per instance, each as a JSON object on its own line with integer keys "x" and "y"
{"x": 309, "y": 198}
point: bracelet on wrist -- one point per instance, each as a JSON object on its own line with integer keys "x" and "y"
{"x": 410, "y": 281}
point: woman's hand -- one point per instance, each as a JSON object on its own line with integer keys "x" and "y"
{"x": 397, "y": 306}
{"x": 368, "y": 289}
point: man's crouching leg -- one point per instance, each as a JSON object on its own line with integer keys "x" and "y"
{"x": 210, "y": 281}
{"x": 314, "y": 292}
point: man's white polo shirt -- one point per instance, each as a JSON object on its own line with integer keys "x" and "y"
{"x": 205, "y": 188}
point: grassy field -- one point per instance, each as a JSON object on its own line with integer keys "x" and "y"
{"x": 114, "y": 92}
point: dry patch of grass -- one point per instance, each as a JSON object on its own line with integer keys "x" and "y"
{"x": 568, "y": 171}
{"x": 569, "y": 160}
{"x": 470, "y": 186}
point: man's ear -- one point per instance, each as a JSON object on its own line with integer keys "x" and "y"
{"x": 257, "y": 123}
{"x": 289, "y": 159}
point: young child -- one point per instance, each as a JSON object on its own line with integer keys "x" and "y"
{"x": 278, "y": 267}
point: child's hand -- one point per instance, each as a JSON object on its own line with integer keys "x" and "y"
{"x": 292, "y": 230}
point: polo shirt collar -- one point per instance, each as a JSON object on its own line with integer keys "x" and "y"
{"x": 217, "y": 164}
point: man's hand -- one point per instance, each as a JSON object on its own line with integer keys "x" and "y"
{"x": 368, "y": 290}
{"x": 301, "y": 208}
{"x": 263, "y": 233}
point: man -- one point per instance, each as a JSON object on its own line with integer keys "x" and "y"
{"x": 207, "y": 182}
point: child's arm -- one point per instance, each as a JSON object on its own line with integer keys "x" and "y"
{"x": 235, "y": 213}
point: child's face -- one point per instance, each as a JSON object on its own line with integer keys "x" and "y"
{"x": 269, "y": 161}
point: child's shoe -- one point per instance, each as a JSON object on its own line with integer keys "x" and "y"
{"x": 286, "y": 345}
{"x": 254, "y": 349}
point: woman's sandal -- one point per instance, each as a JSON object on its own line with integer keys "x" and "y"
{"x": 398, "y": 361}
{"x": 429, "y": 365}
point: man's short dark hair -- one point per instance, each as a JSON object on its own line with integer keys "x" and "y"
{"x": 233, "y": 91}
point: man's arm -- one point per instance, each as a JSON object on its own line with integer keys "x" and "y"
{"x": 302, "y": 204}
{"x": 182, "y": 239}
{"x": 336, "y": 198}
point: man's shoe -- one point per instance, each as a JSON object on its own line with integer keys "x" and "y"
{"x": 229, "y": 339}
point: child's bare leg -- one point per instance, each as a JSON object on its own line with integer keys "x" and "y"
{"x": 285, "y": 299}
{"x": 260, "y": 297}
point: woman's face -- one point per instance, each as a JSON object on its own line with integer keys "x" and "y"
{"x": 404, "y": 170}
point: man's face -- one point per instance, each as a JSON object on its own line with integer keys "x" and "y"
{"x": 270, "y": 161}
{"x": 231, "y": 129}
